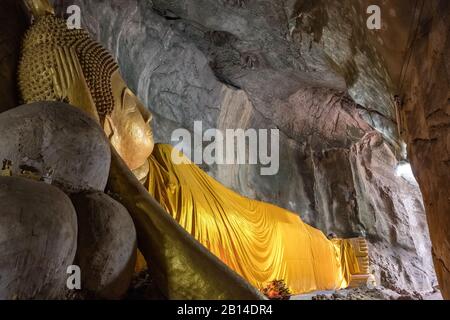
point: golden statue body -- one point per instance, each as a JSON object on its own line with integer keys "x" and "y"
{"x": 259, "y": 241}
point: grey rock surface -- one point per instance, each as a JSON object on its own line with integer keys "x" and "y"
{"x": 426, "y": 124}
{"x": 303, "y": 67}
{"x": 391, "y": 211}
{"x": 38, "y": 239}
{"x": 56, "y": 139}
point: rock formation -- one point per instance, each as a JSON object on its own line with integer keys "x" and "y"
{"x": 427, "y": 127}
{"x": 309, "y": 68}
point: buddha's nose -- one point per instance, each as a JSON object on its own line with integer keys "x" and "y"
{"x": 149, "y": 118}
{"x": 146, "y": 114}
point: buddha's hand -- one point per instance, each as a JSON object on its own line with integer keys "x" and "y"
{"x": 69, "y": 82}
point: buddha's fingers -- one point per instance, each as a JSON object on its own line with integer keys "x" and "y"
{"x": 72, "y": 60}
{"x": 70, "y": 83}
{"x": 62, "y": 71}
{"x": 57, "y": 84}
{"x": 58, "y": 81}
{"x": 68, "y": 67}
{"x": 77, "y": 71}
{"x": 80, "y": 90}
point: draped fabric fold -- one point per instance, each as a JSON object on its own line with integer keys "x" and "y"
{"x": 260, "y": 241}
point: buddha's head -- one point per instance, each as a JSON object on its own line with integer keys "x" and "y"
{"x": 128, "y": 125}
{"x": 123, "y": 117}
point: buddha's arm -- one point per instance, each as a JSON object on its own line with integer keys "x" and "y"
{"x": 70, "y": 83}
{"x": 182, "y": 267}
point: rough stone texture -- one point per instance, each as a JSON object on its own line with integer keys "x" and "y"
{"x": 13, "y": 27}
{"x": 366, "y": 293}
{"x": 38, "y": 239}
{"x": 427, "y": 127}
{"x": 107, "y": 246}
{"x": 399, "y": 240}
{"x": 339, "y": 29}
{"x": 55, "y": 136}
{"x": 286, "y": 65}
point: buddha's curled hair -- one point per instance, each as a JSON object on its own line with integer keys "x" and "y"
{"x": 38, "y": 60}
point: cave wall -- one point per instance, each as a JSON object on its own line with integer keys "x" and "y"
{"x": 426, "y": 112}
{"x": 244, "y": 64}
{"x": 14, "y": 23}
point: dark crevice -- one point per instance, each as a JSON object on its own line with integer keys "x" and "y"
{"x": 166, "y": 14}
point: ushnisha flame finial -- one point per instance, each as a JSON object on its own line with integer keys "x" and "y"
{"x": 39, "y": 7}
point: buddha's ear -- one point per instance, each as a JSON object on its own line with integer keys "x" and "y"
{"x": 109, "y": 127}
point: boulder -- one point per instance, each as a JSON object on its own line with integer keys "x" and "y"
{"x": 106, "y": 245}
{"x": 38, "y": 239}
{"x": 57, "y": 139}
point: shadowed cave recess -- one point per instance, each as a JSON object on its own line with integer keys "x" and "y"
{"x": 363, "y": 114}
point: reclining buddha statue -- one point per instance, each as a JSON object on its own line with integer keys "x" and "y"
{"x": 199, "y": 238}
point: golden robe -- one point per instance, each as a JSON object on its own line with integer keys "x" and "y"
{"x": 260, "y": 241}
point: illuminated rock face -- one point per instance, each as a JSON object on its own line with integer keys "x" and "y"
{"x": 38, "y": 239}
{"x": 399, "y": 243}
{"x": 267, "y": 64}
{"x": 58, "y": 140}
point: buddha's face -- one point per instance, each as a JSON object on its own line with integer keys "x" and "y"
{"x": 128, "y": 127}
